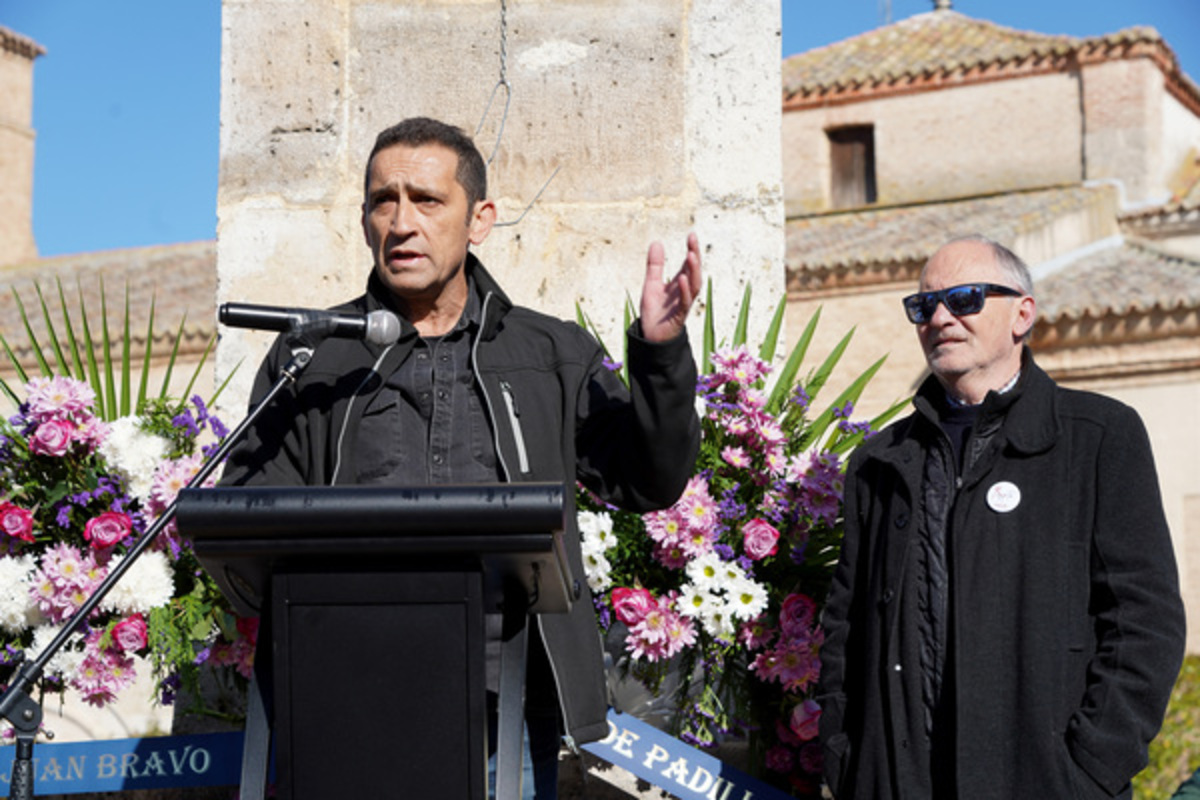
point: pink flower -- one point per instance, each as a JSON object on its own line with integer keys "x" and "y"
{"x": 107, "y": 529}
{"x": 169, "y": 478}
{"x": 755, "y": 633}
{"x": 661, "y": 633}
{"x": 811, "y": 758}
{"x": 52, "y": 437}
{"x": 58, "y": 398}
{"x": 130, "y": 633}
{"x": 797, "y": 614}
{"x": 632, "y": 605}
{"x": 16, "y": 521}
{"x": 760, "y": 538}
{"x": 664, "y": 527}
{"x": 805, "y": 720}
{"x": 102, "y": 674}
{"x": 780, "y": 759}
{"x": 735, "y": 456}
{"x": 672, "y": 557}
{"x": 793, "y": 663}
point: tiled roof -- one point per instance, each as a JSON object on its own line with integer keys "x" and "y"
{"x": 13, "y": 42}
{"x": 819, "y": 244}
{"x": 1130, "y": 277}
{"x": 179, "y": 278}
{"x": 943, "y": 47}
{"x": 1134, "y": 277}
{"x": 1181, "y": 211}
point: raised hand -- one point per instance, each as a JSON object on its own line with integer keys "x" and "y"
{"x": 665, "y": 306}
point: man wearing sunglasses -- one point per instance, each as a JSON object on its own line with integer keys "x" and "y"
{"x": 1005, "y": 620}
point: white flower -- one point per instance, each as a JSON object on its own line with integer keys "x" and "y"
{"x": 694, "y": 602}
{"x": 747, "y": 598}
{"x": 596, "y": 528}
{"x": 597, "y": 569}
{"x": 718, "y": 621}
{"x": 68, "y": 658}
{"x": 134, "y": 454}
{"x": 706, "y": 572}
{"x": 17, "y": 609}
{"x": 730, "y": 572}
{"x": 148, "y": 584}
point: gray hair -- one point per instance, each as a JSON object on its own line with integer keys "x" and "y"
{"x": 1006, "y": 259}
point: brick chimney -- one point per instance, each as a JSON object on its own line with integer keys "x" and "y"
{"x": 17, "y": 53}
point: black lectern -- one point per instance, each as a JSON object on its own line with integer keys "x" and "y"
{"x": 372, "y": 602}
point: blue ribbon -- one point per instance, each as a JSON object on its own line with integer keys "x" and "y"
{"x": 215, "y": 759}
{"x": 677, "y": 768}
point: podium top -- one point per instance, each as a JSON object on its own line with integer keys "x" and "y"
{"x": 243, "y": 534}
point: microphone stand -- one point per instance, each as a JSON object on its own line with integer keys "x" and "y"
{"x": 17, "y": 706}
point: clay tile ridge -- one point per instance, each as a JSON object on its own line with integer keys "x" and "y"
{"x": 13, "y": 42}
{"x": 944, "y": 48}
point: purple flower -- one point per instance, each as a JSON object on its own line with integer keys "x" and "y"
{"x": 800, "y": 397}
{"x": 218, "y": 428}
{"x": 185, "y": 421}
{"x": 611, "y": 365}
{"x": 201, "y": 409}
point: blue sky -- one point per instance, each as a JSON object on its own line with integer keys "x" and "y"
{"x": 126, "y": 99}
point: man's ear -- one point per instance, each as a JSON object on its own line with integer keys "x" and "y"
{"x": 482, "y": 220}
{"x": 1025, "y": 317}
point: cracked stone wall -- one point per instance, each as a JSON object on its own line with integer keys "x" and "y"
{"x": 635, "y": 120}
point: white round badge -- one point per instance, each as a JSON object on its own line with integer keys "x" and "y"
{"x": 1003, "y": 497}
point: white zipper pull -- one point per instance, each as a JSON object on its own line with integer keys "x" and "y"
{"x": 514, "y": 417}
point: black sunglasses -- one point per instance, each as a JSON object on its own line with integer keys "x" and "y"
{"x": 960, "y": 301}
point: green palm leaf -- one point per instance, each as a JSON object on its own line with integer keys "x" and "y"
{"x": 76, "y": 353}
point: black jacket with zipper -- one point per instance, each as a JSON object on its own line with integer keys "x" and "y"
{"x": 557, "y": 414}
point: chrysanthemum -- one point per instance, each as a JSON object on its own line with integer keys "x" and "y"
{"x": 134, "y": 454}
{"x": 747, "y": 599}
{"x": 148, "y": 584}
{"x": 596, "y": 529}
{"x": 58, "y": 398}
{"x": 17, "y": 609}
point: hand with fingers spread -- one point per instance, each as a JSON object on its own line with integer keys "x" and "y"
{"x": 665, "y": 306}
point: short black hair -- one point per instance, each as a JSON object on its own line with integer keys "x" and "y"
{"x": 417, "y": 131}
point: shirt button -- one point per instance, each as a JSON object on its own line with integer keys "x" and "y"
{"x": 441, "y": 395}
{"x": 437, "y": 459}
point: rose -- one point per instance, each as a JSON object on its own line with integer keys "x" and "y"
{"x": 16, "y": 521}
{"x": 130, "y": 633}
{"x": 780, "y": 759}
{"x": 760, "y": 538}
{"x": 796, "y": 615}
{"x": 52, "y": 438}
{"x": 107, "y": 529}
{"x": 805, "y": 720}
{"x": 632, "y": 605}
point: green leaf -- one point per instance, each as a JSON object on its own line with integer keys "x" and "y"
{"x": 710, "y": 336}
{"x": 59, "y": 358}
{"x": 786, "y": 378}
{"x": 743, "y": 320}
{"x": 93, "y": 371}
{"x": 77, "y": 370}
{"x": 144, "y": 382}
{"x": 33, "y": 342}
{"x": 850, "y": 395}
{"x": 771, "y": 339}
{"x": 110, "y": 382}
{"x": 817, "y": 382}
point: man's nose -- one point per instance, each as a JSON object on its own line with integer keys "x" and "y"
{"x": 401, "y": 221}
{"x": 941, "y": 315}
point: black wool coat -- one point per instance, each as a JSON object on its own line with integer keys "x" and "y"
{"x": 1066, "y": 624}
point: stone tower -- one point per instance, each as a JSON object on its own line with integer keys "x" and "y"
{"x": 16, "y": 146}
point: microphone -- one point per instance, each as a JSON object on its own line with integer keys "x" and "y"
{"x": 378, "y": 327}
